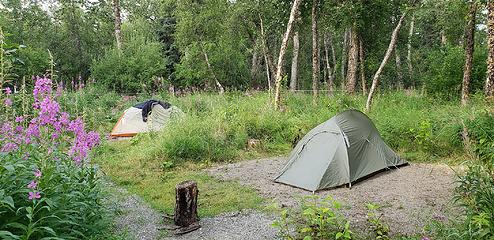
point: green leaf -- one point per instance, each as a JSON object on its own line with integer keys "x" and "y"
{"x": 9, "y": 168}
{"x": 48, "y": 230}
{"x": 8, "y": 235}
{"x": 9, "y": 201}
{"x": 17, "y": 225}
{"x": 307, "y": 238}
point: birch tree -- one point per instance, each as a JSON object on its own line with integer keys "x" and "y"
{"x": 315, "y": 50}
{"x": 281, "y": 56}
{"x": 469, "y": 48}
{"x": 294, "y": 73}
{"x": 118, "y": 23}
{"x": 377, "y": 75}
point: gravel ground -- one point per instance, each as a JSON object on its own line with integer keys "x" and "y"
{"x": 410, "y": 196}
{"x": 135, "y": 218}
{"x": 246, "y": 225}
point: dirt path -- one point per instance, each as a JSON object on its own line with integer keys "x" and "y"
{"x": 134, "y": 218}
{"x": 410, "y": 196}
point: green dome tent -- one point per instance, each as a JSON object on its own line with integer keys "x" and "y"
{"x": 339, "y": 151}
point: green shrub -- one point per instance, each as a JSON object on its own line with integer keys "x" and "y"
{"x": 444, "y": 71}
{"x": 69, "y": 204}
{"x": 475, "y": 194}
{"x": 378, "y": 227}
{"x": 135, "y": 68}
{"x": 481, "y": 132}
{"x": 316, "y": 219}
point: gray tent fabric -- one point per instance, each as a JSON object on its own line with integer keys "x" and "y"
{"x": 339, "y": 151}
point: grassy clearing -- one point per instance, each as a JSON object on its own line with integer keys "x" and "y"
{"x": 156, "y": 184}
{"x": 216, "y": 129}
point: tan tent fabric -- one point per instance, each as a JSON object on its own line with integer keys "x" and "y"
{"x": 131, "y": 123}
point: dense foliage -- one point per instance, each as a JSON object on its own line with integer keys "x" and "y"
{"x": 137, "y": 67}
{"x": 190, "y": 44}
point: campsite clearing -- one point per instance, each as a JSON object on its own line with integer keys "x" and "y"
{"x": 409, "y": 197}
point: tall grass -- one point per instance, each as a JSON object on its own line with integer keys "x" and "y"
{"x": 217, "y": 128}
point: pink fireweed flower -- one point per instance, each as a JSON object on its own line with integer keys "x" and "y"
{"x": 19, "y": 129}
{"x": 54, "y": 135}
{"x": 19, "y": 119}
{"x": 9, "y": 147}
{"x": 49, "y": 111}
{"x": 34, "y": 195}
{"x": 37, "y": 173}
{"x": 42, "y": 88}
{"x": 8, "y": 91}
{"x": 7, "y": 102}
{"x": 33, "y": 184}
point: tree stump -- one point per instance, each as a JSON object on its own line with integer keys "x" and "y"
{"x": 186, "y": 206}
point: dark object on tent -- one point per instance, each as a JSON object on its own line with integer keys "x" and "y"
{"x": 339, "y": 151}
{"x": 148, "y": 105}
{"x": 144, "y": 117}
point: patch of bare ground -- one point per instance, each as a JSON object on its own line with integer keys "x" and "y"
{"x": 409, "y": 196}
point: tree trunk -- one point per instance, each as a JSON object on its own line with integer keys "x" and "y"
{"x": 333, "y": 54}
{"x": 362, "y": 66}
{"x": 343, "y": 56}
{"x": 267, "y": 57}
{"x": 267, "y": 71}
{"x": 409, "y": 53}
{"x": 469, "y": 48}
{"x": 375, "y": 79}
{"x": 293, "y": 76}
{"x": 315, "y": 50}
{"x": 351, "y": 76}
{"x": 489, "y": 83}
{"x": 328, "y": 65}
{"x": 118, "y": 23}
{"x": 255, "y": 64}
{"x": 398, "y": 68}
{"x": 284, "y": 43}
{"x": 218, "y": 84}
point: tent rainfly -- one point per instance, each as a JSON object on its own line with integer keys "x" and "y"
{"x": 151, "y": 115}
{"x": 339, "y": 151}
